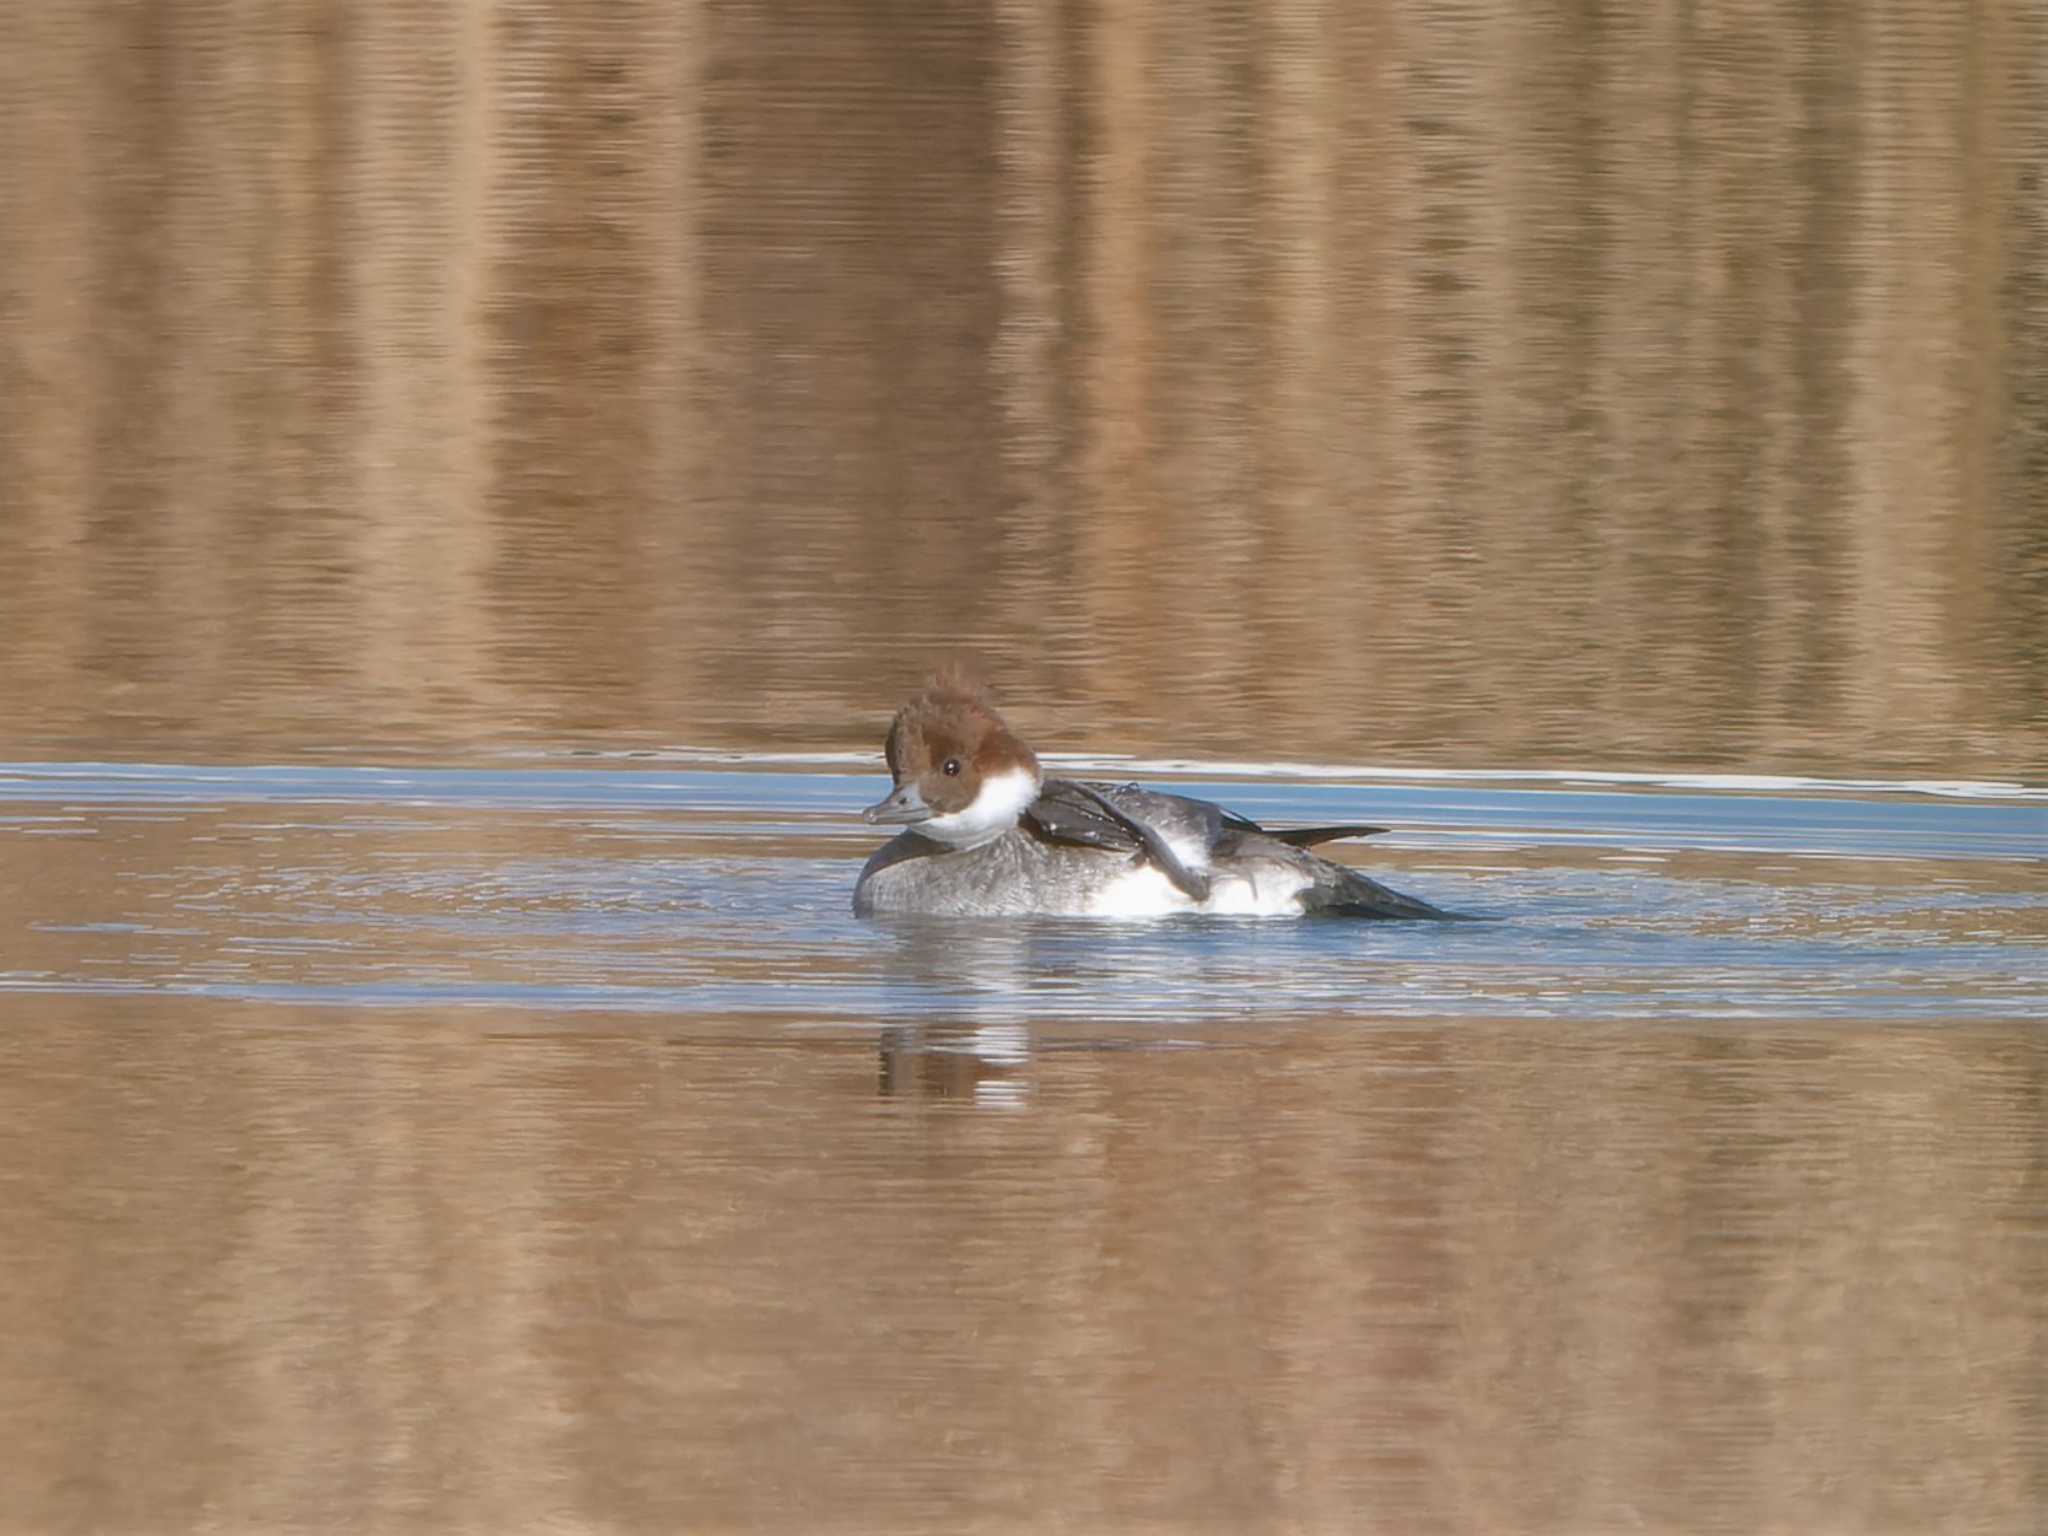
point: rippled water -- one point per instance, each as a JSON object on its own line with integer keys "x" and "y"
{"x": 539, "y": 1143}
{"x": 682, "y": 887}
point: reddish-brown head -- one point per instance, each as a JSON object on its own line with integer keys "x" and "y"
{"x": 961, "y": 776}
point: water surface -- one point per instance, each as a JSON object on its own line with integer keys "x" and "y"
{"x": 680, "y": 886}
{"x": 539, "y": 1142}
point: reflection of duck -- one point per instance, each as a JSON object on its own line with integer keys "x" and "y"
{"x": 985, "y": 1064}
{"x": 988, "y": 835}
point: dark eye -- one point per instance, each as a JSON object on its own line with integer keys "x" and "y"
{"x": 952, "y": 767}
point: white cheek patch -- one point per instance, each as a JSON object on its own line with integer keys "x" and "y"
{"x": 1003, "y": 798}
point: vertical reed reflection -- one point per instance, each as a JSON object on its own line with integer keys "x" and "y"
{"x": 1480, "y": 383}
{"x": 344, "y": 1270}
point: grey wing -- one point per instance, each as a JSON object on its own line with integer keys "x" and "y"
{"x": 1097, "y": 814}
{"x": 1067, "y": 812}
{"x": 1188, "y": 821}
{"x": 1124, "y": 816}
{"x": 1185, "y": 818}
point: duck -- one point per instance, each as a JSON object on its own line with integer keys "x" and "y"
{"x": 986, "y": 833}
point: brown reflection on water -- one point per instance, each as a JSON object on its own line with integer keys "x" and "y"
{"x": 338, "y": 1271}
{"x": 1477, "y": 383}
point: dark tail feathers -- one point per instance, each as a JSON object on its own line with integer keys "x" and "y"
{"x": 1341, "y": 891}
{"x": 1308, "y": 837}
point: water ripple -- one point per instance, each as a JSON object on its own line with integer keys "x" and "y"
{"x": 723, "y": 888}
